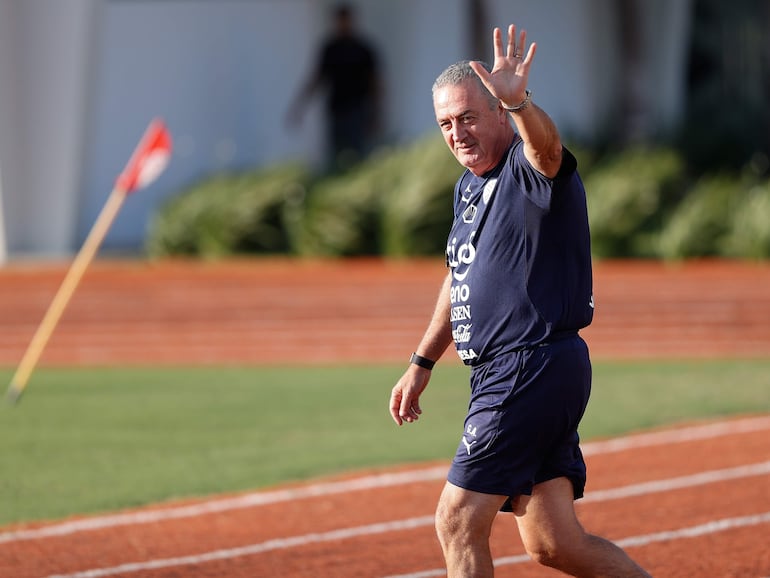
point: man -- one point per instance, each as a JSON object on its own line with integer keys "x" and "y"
{"x": 348, "y": 68}
{"x": 518, "y": 291}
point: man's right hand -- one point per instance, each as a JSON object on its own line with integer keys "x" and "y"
{"x": 405, "y": 396}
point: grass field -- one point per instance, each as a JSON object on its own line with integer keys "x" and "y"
{"x": 91, "y": 440}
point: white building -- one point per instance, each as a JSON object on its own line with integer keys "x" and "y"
{"x": 81, "y": 79}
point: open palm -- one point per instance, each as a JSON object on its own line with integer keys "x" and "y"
{"x": 510, "y": 72}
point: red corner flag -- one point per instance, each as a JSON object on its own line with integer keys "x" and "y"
{"x": 149, "y": 159}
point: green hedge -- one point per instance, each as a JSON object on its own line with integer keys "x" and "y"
{"x": 698, "y": 225}
{"x": 417, "y": 213}
{"x": 749, "y": 234}
{"x": 252, "y": 212}
{"x": 628, "y": 195}
{"x": 397, "y": 202}
{"x": 342, "y": 213}
{"x": 641, "y": 202}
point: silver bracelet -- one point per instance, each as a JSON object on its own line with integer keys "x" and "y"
{"x": 522, "y": 105}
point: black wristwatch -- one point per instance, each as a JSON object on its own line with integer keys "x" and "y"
{"x": 421, "y": 361}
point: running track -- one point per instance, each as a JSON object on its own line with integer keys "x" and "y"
{"x": 693, "y": 501}
{"x": 686, "y": 502}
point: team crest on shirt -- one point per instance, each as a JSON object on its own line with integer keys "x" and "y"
{"x": 469, "y": 214}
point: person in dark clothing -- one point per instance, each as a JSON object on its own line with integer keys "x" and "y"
{"x": 517, "y": 292}
{"x": 348, "y": 70}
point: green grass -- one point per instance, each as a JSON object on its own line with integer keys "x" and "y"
{"x": 91, "y": 440}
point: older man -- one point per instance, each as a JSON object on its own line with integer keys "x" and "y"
{"x": 518, "y": 291}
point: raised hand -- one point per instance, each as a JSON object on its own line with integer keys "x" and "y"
{"x": 510, "y": 72}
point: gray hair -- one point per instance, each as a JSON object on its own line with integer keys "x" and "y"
{"x": 461, "y": 72}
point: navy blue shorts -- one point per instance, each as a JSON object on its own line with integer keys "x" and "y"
{"x": 521, "y": 427}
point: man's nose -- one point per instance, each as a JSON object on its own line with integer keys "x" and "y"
{"x": 458, "y": 131}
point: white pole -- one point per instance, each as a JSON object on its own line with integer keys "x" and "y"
{"x": 3, "y": 246}
{"x": 64, "y": 294}
{"x": 146, "y": 163}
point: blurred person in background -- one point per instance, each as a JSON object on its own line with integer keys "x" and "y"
{"x": 348, "y": 70}
{"x": 518, "y": 291}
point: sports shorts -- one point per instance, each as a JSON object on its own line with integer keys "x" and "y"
{"x": 521, "y": 426}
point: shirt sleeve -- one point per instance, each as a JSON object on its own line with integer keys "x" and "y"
{"x": 535, "y": 185}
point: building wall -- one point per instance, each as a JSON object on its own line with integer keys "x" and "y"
{"x": 217, "y": 72}
{"x": 79, "y": 85}
{"x": 44, "y": 49}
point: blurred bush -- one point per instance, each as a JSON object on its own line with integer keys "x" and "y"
{"x": 398, "y": 202}
{"x": 417, "y": 213}
{"x": 749, "y": 234}
{"x": 628, "y": 195}
{"x": 642, "y": 203}
{"x": 341, "y": 214}
{"x": 697, "y": 226}
{"x": 252, "y": 212}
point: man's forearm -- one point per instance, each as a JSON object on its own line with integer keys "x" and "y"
{"x": 438, "y": 336}
{"x": 542, "y": 143}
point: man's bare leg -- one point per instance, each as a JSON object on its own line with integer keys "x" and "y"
{"x": 463, "y": 524}
{"x": 553, "y": 536}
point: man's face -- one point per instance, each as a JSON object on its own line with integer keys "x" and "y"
{"x": 476, "y": 134}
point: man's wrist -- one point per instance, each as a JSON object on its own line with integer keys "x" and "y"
{"x": 421, "y": 361}
{"x": 522, "y": 105}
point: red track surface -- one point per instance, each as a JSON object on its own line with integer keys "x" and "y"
{"x": 277, "y": 311}
{"x": 271, "y": 311}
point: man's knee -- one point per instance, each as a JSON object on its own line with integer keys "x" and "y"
{"x": 465, "y": 517}
{"x": 549, "y": 528}
{"x": 555, "y": 554}
{"x": 447, "y": 523}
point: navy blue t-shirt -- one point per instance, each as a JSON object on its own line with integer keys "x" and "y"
{"x": 520, "y": 256}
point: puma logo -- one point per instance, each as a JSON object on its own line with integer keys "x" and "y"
{"x": 468, "y": 445}
{"x": 468, "y": 198}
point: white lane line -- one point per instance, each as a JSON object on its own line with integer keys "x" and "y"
{"x": 411, "y": 523}
{"x": 665, "y": 437}
{"x": 699, "y": 479}
{"x": 681, "y": 435}
{"x": 278, "y": 544}
{"x": 712, "y": 527}
{"x": 632, "y": 541}
{"x": 222, "y": 505}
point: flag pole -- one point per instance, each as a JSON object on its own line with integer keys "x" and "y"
{"x": 146, "y": 163}
{"x": 64, "y": 294}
